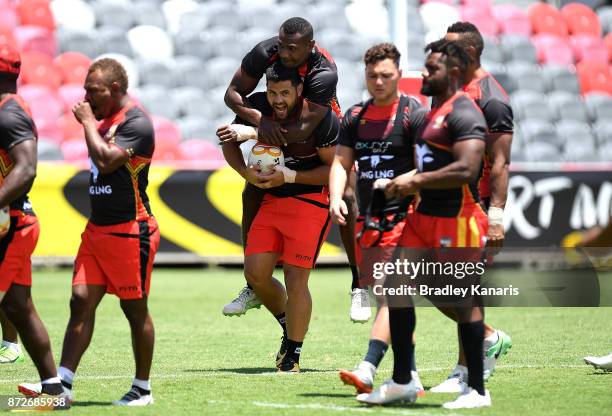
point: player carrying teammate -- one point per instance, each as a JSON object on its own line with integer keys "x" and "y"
{"x": 379, "y": 134}
{"x": 294, "y": 47}
{"x": 18, "y": 138}
{"x": 449, "y": 151}
{"x": 121, "y": 238}
{"x": 293, "y": 220}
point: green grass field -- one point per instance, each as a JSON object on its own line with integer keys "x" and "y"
{"x": 206, "y": 363}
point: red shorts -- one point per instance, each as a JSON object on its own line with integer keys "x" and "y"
{"x": 16, "y": 248}
{"x": 119, "y": 257}
{"x": 469, "y": 229}
{"x": 295, "y": 227}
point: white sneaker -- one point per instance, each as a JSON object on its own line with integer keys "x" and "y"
{"x": 35, "y": 390}
{"x": 417, "y": 383}
{"x": 495, "y": 346}
{"x": 362, "y": 377}
{"x": 455, "y": 383}
{"x": 247, "y": 299}
{"x": 134, "y": 397}
{"x": 469, "y": 399}
{"x": 390, "y": 392}
{"x": 360, "y": 306}
{"x": 605, "y": 362}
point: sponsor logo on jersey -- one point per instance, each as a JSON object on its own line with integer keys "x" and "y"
{"x": 100, "y": 190}
{"x": 376, "y": 159}
{"x": 424, "y": 155}
{"x": 373, "y": 146}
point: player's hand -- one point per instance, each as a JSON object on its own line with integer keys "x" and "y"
{"x": 402, "y": 186}
{"x": 271, "y": 132}
{"x": 82, "y": 112}
{"x": 226, "y": 134}
{"x": 495, "y": 238}
{"x": 270, "y": 180}
{"x": 338, "y": 211}
{"x": 251, "y": 175}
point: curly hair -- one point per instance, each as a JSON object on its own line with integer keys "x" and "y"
{"x": 381, "y": 52}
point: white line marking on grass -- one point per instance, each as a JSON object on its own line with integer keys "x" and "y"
{"x": 367, "y": 410}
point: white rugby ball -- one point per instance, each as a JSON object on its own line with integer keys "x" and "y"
{"x": 5, "y": 220}
{"x": 266, "y": 157}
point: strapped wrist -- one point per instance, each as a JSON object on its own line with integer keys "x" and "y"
{"x": 496, "y": 216}
{"x": 288, "y": 174}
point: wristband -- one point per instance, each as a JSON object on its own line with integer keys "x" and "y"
{"x": 288, "y": 174}
{"x": 244, "y": 132}
{"x": 496, "y": 216}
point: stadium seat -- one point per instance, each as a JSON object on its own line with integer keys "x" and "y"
{"x": 224, "y": 42}
{"x": 83, "y": 42}
{"x": 113, "y": 40}
{"x": 159, "y": 72}
{"x": 69, "y": 127}
{"x": 512, "y": 20}
{"x": 6, "y": 37}
{"x": 581, "y": 151}
{"x": 594, "y": 76}
{"x": 148, "y": 13}
{"x": 327, "y": 15}
{"x": 505, "y": 80}
{"x": 196, "y": 149}
{"x": 167, "y": 138}
{"x": 156, "y": 100}
{"x": 191, "y": 101}
{"x": 37, "y": 68}
{"x": 414, "y": 21}
{"x": 74, "y": 150}
{"x": 36, "y": 13}
{"x": 589, "y": 48}
{"x": 188, "y": 72}
{"x": 545, "y": 18}
{"x": 603, "y": 133}
{"x": 572, "y": 131}
{"x": 118, "y": 13}
{"x": 538, "y": 131}
{"x": 530, "y": 105}
{"x": 560, "y": 78}
{"x": 567, "y": 106}
{"x": 218, "y": 108}
{"x": 47, "y": 150}
{"x": 49, "y": 129}
{"x": 175, "y": 9}
{"x": 552, "y": 49}
{"x": 128, "y": 64}
{"x": 219, "y": 71}
{"x": 9, "y": 19}
{"x": 197, "y": 128}
{"x": 35, "y": 38}
{"x": 527, "y": 76}
{"x": 608, "y": 42}
{"x": 195, "y": 44}
{"x": 598, "y": 102}
{"x": 581, "y": 20}
{"x": 72, "y": 66}
{"x": 341, "y": 45}
{"x": 481, "y": 18}
{"x": 543, "y": 152}
{"x": 605, "y": 18}
{"x": 519, "y": 48}
{"x": 438, "y": 16}
{"x": 43, "y": 102}
{"x": 150, "y": 42}
{"x": 75, "y": 15}
{"x": 492, "y": 50}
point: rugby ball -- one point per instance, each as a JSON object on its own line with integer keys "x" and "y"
{"x": 5, "y": 220}
{"x": 266, "y": 157}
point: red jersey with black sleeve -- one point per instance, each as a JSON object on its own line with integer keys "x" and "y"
{"x": 319, "y": 72}
{"x": 121, "y": 196}
{"x": 302, "y": 155}
{"x": 382, "y": 138}
{"x": 457, "y": 119}
{"x": 495, "y": 105}
{"x": 16, "y": 126}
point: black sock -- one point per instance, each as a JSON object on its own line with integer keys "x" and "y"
{"x": 355, "y": 272}
{"x": 282, "y": 321}
{"x": 413, "y": 361}
{"x": 66, "y": 384}
{"x": 52, "y": 388}
{"x": 402, "y": 322}
{"x": 294, "y": 349}
{"x": 376, "y": 352}
{"x": 249, "y": 286}
{"x": 472, "y": 338}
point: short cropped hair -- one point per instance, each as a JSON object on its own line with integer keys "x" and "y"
{"x": 298, "y": 25}
{"x": 470, "y": 35}
{"x": 113, "y": 72}
{"x": 278, "y": 72}
{"x": 454, "y": 51}
{"x": 381, "y": 52}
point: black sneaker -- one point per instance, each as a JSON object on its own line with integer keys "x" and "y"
{"x": 281, "y": 352}
{"x": 135, "y": 397}
{"x": 288, "y": 365}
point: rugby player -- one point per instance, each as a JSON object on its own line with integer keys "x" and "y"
{"x": 18, "y": 159}
{"x": 493, "y": 184}
{"x": 449, "y": 152}
{"x": 294, "y": 47}
{"x": 379, "y": 134}
{"x": 10, "y": 350}
{"x": 121, "y": 237}
{"x": 293, "y": 220}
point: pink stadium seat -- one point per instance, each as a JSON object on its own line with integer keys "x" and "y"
{"x": 553, "y": 50}
{"x": 48, "y": 129}
{"x": 73, "y": 67}
{"x": 69, "y": 127}
{"x": 70, "y": 94}
{"x": 512, "y": 19}
{"x": 449, "y": 2}
{"x": 608, "y": 42}
{"x": 483, "y": 4}
{"x": 35, "y": 38}
{"x": 581, "y": 19}
{"x": 545, "y": 18}
{"x": 589, "y": 48}
{"x": 36, "y": 13}
{"x": 75, "y": 150}
{"x": 37, "y": 68}
{"x": 594, "y": 77}
{"x": 481, "y": 17}
{"x": 6, "y": 36}
{"x": 198, "y": 149}
{"x": 43, "y": 102}
{"x": 167, "y": 138}
{"x": 8, "y": 18}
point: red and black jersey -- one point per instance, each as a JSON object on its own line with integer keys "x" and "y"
{"x": 121, "y": 196}
{"x": 319, "y": 72}
{"x": 459, "y": 118}
{"x": 302, "y": 155}
{"x": 382, "y": 139}
{"x": 495, "y": 105}
{"x": 16, "y": 126}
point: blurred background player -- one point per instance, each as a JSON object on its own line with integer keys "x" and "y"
{"x": 379, "y": 134}
{"x": 293, "y": 220}
{"x": 295, "y": 48}
{"x": 493, "y": 184}
{"x": 18, "y": 160}
{"x": 10, "y": 350}
{"x": 121, "y": 238}
{"x": 449, "y": 152}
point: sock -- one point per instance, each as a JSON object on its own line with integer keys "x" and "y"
{"x": 472, "y": 334}
{"x": 52, "y": 386}
{"x": 52, "y": 380}
{"x": 355, "y": 273}
{"x": 13, "y": 346}
{"x": 413, "y": 361}
{"x": 402, "y": 322}
{"x": 144, "y": 386}
{"x": 376, "y": 352}
{"x": 294, "y": 349}
{"x": 66, "y": 375}
{"x": 282, "y": 321}
{"x": 491, "y": 340}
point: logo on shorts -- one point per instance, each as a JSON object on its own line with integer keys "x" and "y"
{"x": 446, "y": 242}
{"x": 128, "y": 289}
{"x": 303, "y": 258}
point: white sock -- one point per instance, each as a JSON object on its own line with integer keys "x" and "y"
{"x": 143, "y": 384}
{"x": 65, "y": 374}
{"x": 12, "y": 346}
{"x": 52, "y": 380}
{"x": 462, "y": 368}
{"x": 491, "y": 339}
